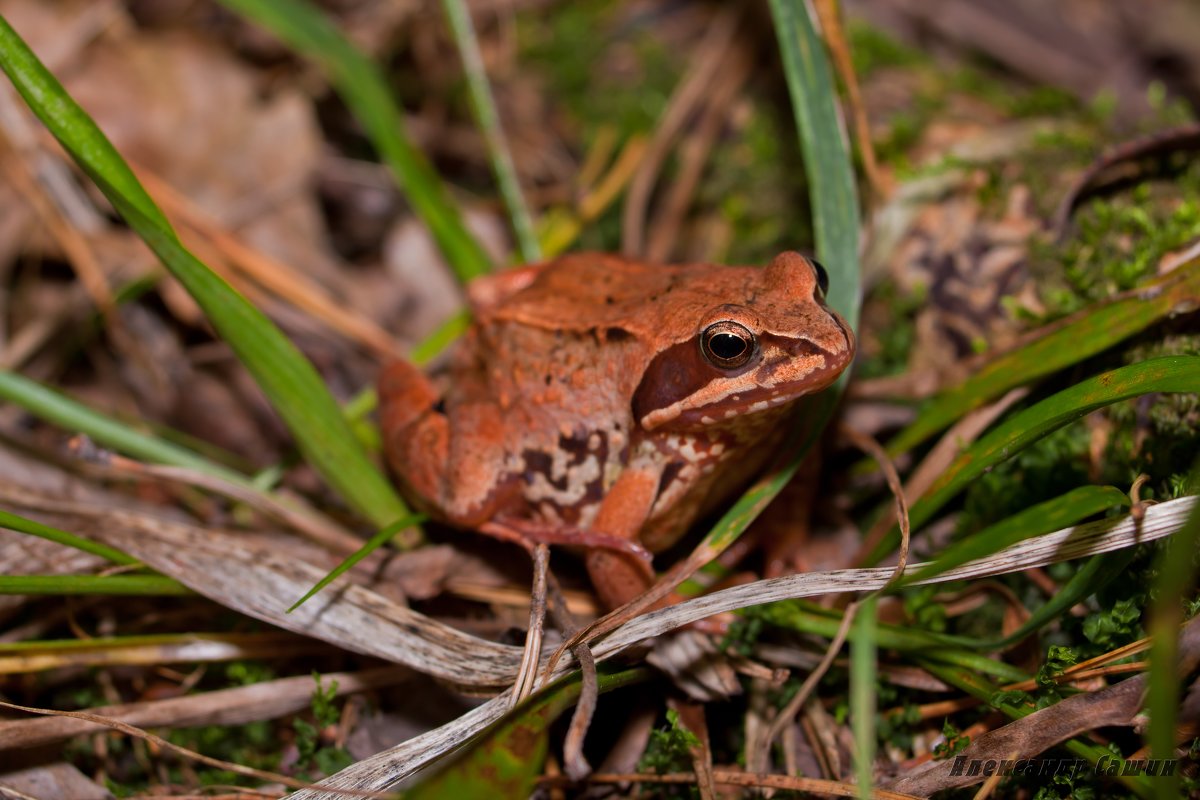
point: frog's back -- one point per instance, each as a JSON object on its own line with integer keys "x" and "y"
{"x": 601, "y": 291}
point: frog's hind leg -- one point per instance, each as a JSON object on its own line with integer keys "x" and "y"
{"x": 416, "y": 437}
{"x": 458, "y": 476}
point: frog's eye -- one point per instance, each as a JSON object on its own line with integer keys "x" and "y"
{"x": 727, "y": 344}
{"x": 822, "y": 276}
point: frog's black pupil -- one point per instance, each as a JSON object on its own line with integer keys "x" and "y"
{"x": 726, "y": 346}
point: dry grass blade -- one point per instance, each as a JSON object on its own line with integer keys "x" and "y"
{"x": 21, "y": 659}
{"x": 694, "y": 154}
{"x": 73, "y": 243}
{"x": 1077, "y": 541}
{"x": 105, "y": 722}
{"x": 835, "y": 37}
{"x": 225, "y": 707}
{"x": 271, "y": 273}
{"x": 260, "y": 583}
{"x": 293, "y": 511}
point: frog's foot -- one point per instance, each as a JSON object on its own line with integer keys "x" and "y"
{"x": 527, "y": 532}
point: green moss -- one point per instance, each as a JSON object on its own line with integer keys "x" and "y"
{"x": 923, "y": 610}
{"x": 893, "y": 328}
{"x": 255, "y": 744}
{"x": 1012, "y": 100}
{"x": 744, "y": 633}
{"x": 955, "y": 742}
{"x": 1118, "y": 242}
{"x": 669, "y": 750}
{"x": 872, "y": 49}
{"x": 1046, "y": 469}
{"x": 313, "y": 756}
{"x": 755, "y": 182}
{"x": 568, "y": 47}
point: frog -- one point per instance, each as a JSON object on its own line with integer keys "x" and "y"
{"x": 604, "y": 402}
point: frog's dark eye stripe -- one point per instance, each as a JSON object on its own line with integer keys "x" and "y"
{"x": 727, "y": 344}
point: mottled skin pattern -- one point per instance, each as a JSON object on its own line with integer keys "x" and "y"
{"x": 582, "y": 400}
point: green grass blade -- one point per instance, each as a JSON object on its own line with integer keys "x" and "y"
{"x": 806, "y": 617}
{"x": 864, "y": 656}
{"x": 484, "y": 106}
{"x": 374, "y": 543}
{"x": 1065, "y": 343}
{"x": 58, "y": 585}
{"x": 1169, "y": 374}
{"x": 1176, "y": 581}
{"x": 285, "y": 375}
{"x": 60, "y": 410}
{"x": 362, "y": 86}
{"x": 1052, "y": 515}
{"x": 432, "y": 345}
{"x": 34, "y": 528}
{"x": 827, "y": 161}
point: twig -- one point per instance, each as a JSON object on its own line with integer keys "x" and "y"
{"x": 872, "y": 448}
{"x": 527, "y": 673}
{"x": 963, "y": 432}
{"x": 760, "y": 758}
{"x": 1162, "y": 143}
{"x": 220, "y": 707}
{"x": 734, "y": 778}
{"x": 574, "y": 761}
{"x": 191, "y": 755}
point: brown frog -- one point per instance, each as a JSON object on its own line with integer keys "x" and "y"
{"x": 608, "y": 403}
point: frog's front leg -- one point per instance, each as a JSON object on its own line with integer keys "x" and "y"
{"x": 620, "y": 577}
{"x": 456, "y": 476}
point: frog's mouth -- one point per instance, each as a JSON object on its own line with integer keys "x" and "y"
{"x": 760, "y": 398}
{"x": 683, "y": 394}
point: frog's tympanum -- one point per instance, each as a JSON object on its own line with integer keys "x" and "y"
{"x": 608, "y": 403}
